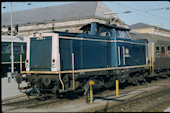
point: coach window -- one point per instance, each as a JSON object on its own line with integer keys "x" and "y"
{"x": 168, "y": 50}
{"x": 17, "y": 49}
{"x": 157, "y": 51}
{"x": 6, "y": 48}
{"x": 22, "y": 49}
{"x": 163, "y": 51}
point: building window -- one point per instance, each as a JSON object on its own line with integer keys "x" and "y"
{"x": 163, "y": 51}
{"x": 157, "y": 51}
{"x": 168, "y": 50}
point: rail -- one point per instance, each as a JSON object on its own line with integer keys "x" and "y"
{"x": 115, "y": 108}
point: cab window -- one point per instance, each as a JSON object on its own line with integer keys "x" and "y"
{"x": 6, "y": 48}
{"x": 104, "y": 31}
{"x": 86, "y": 30}
{"x": 122, "y": 34}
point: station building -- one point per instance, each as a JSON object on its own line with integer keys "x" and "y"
{"x": 68, "y": 17}
{"x": 150, "y": 29}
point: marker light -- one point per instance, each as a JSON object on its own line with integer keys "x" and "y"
{"x": 53, "y": 63}
{"x": 26, "y": 63}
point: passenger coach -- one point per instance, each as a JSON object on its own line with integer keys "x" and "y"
{"x": 19, "y": 48}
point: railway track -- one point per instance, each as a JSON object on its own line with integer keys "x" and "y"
{"x": 158, "y": 107}
{"x": 137, "y": 103}
{"x": 12, "y": 104}
{"x": 13, "y": 98}
{"x": 19, "y": 102}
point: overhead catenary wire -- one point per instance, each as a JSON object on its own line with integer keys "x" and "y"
{"x": 146, "y": 12}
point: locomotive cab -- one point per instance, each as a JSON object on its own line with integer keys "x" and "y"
{"x": 98, "y": 29}
{"x": 104, "y": 30}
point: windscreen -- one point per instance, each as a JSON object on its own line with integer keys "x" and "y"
{"x": 40, "y": 54}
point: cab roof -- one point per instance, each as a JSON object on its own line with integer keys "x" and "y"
{"x": 106, "y": 25}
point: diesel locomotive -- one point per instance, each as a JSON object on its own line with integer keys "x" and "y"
{"x": 58, "y": 62}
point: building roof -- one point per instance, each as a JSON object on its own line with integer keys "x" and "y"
{"x": 149, "y": 37}
{"x": 106, "y": 25}
{"x": 142, "y": 25}
{"x": 139, "y": 25}
{"x": 64, "y": 12}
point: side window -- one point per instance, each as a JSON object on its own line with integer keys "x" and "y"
{"x": 127, "y": 34}
{"x": 163, "y": 51}
{"x": 157, "y": 51}
{"x": 168, "y": 50}
{"x": 118, "y": 34}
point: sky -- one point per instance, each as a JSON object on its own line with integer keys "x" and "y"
{"x": 149, "y": 12}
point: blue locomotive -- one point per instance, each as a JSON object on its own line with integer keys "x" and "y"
{"x": 58, "y": 62}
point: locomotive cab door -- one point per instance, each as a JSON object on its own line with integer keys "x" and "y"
{"x": 124, "y": 57}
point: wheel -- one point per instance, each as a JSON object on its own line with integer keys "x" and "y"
{"x": 71, "y": 95}
{"x": 135, "y": 82}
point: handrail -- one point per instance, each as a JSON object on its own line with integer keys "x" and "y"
{"x": 85, "y": 70}
{"x": 119, "y": 55}
{"x": 60, "y": 75}
{"x": 73, "y": 70}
